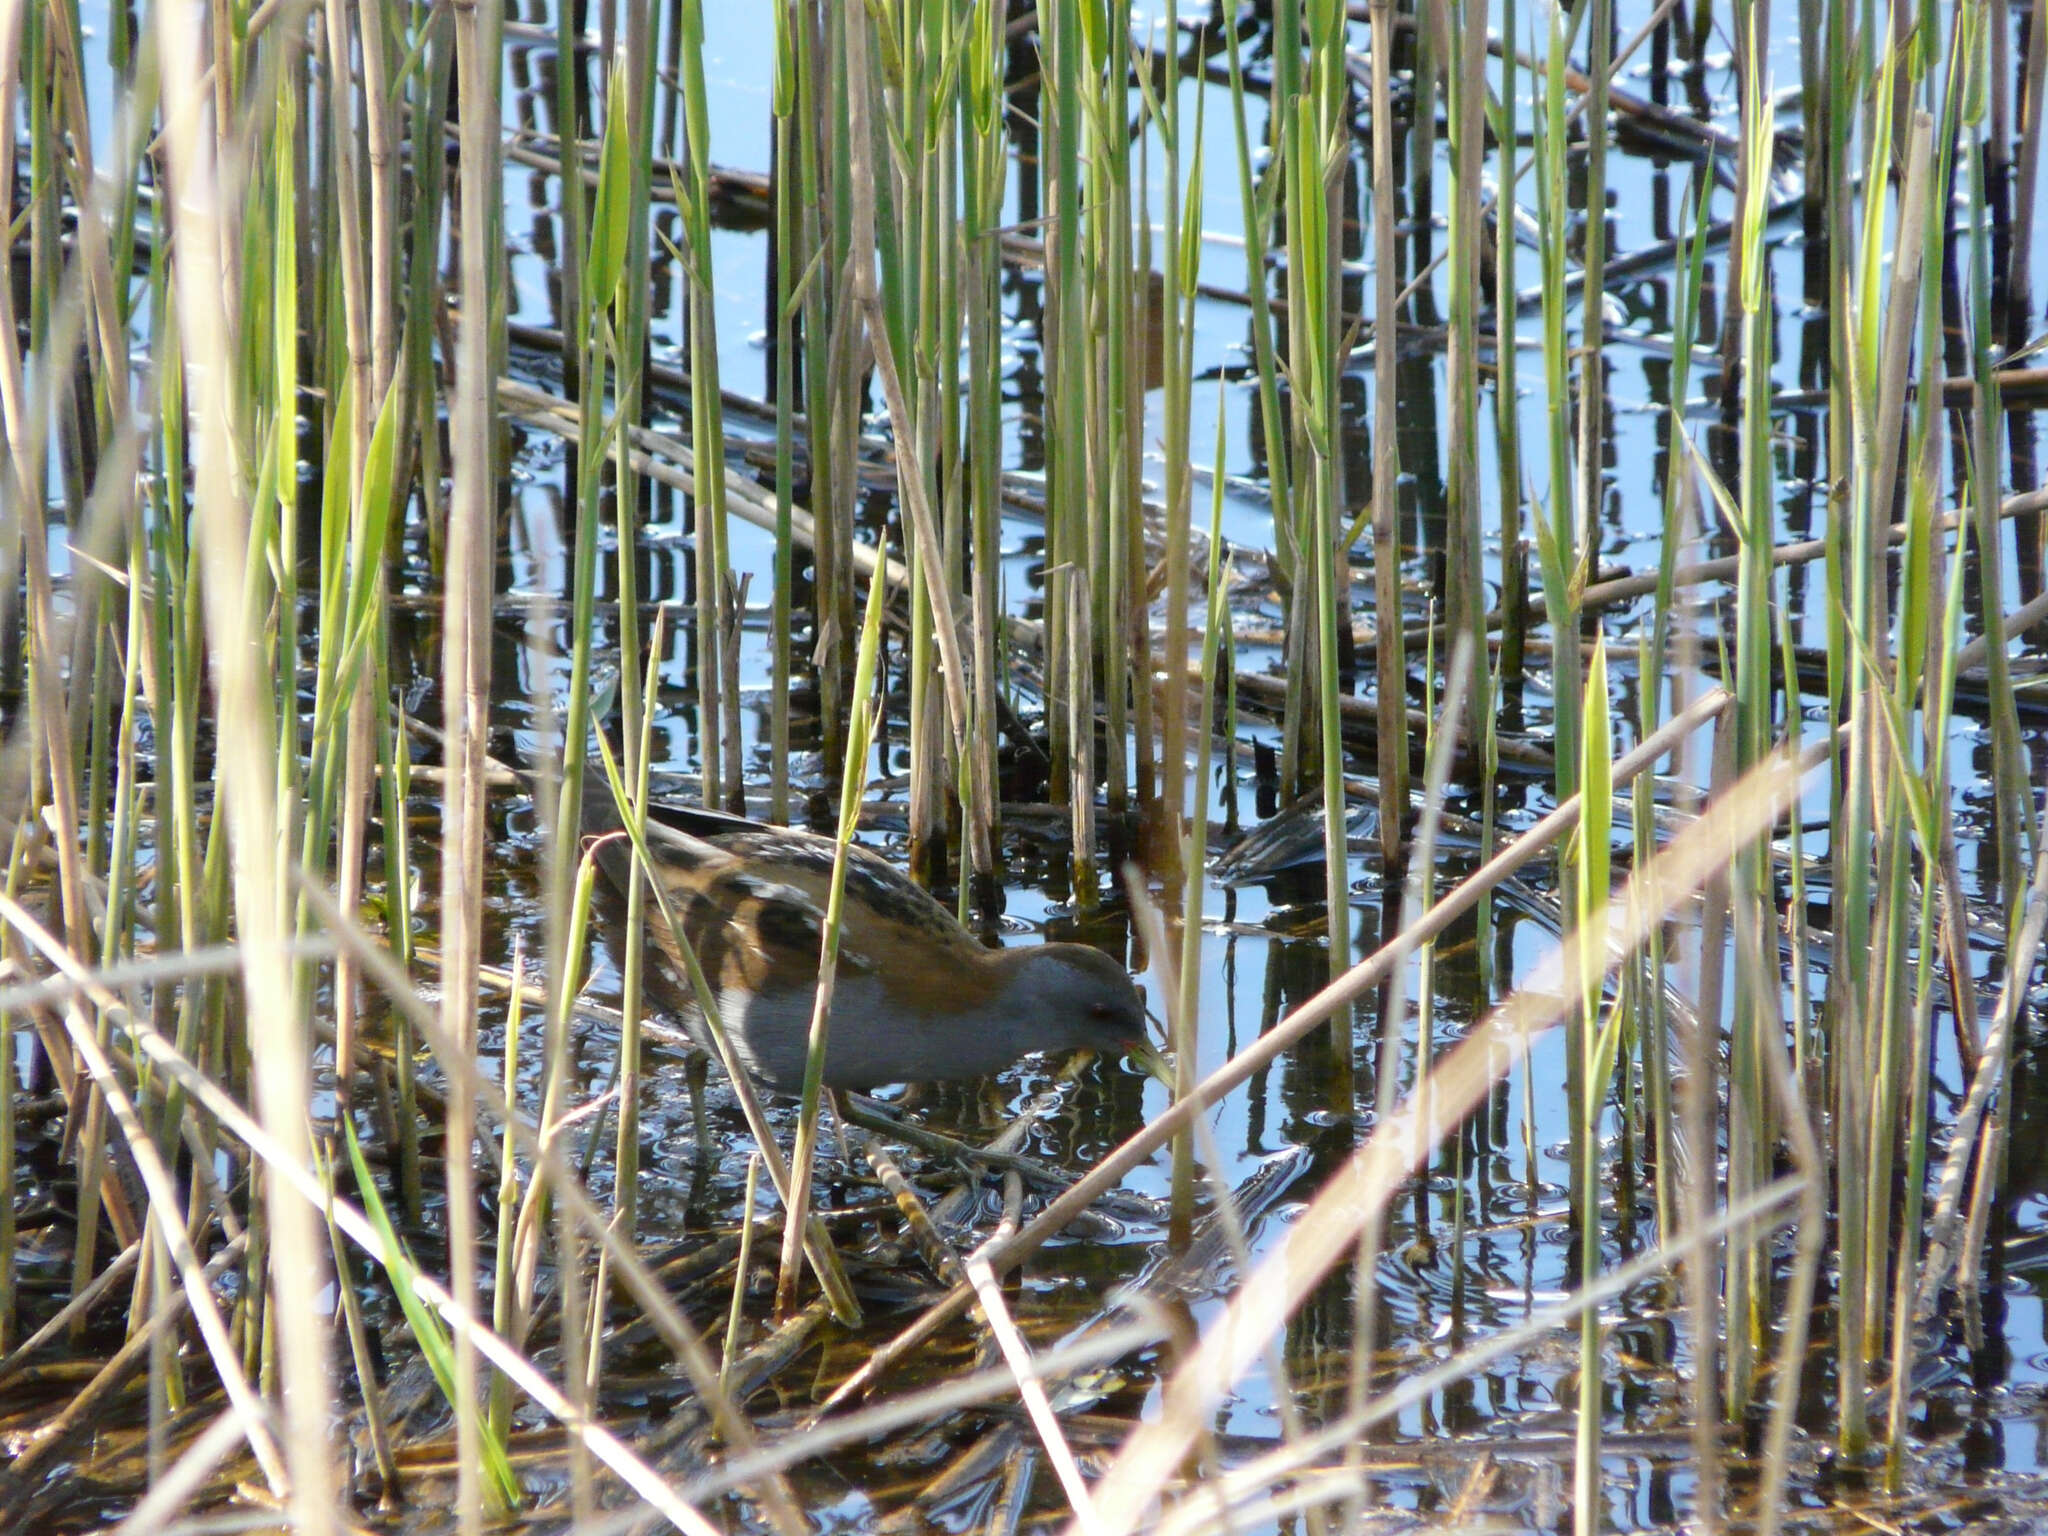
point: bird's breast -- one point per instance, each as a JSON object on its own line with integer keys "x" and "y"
{"x": 873, "y": 1036}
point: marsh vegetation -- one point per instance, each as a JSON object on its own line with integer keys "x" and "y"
{"x": 1491, "y": 552}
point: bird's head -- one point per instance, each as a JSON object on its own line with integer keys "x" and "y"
{"x": 1063, "y": 997}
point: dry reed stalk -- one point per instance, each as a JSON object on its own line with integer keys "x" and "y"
{"x": 158, "y": 1509}
{"x": 79, "y": 1305}
{"x": 465, "y": 695}
{"x": 193, "y": 1276}
{"x": 81, "y": 1412}
{"x": 27, "y": 428}
{"x": 1031, "y": 1388}
{"x": 248, "y": 751}
{"x": 1942, "y": 1244}
{"x": 928, "y": 1405}
{"x": 636, "y": 1474}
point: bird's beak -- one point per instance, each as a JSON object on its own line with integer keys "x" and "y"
{"x": 1147, "y": 1055}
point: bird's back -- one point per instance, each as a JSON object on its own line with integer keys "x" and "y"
{"x": 751, "y": 898}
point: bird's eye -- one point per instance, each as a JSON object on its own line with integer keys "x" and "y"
{"x": 1102, "y": 1010}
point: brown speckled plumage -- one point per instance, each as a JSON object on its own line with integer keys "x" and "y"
{"x": 916, "y": 997}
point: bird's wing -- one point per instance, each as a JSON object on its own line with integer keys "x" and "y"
{"x": 753, "y": 903}
{"x": 783, "y": 921}
{"x": 885, "y": 913}
{"x": 681, "y": 861}
{"x": 753, "y": 928}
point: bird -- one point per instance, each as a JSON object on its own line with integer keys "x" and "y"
{"x": 916, "y": 997}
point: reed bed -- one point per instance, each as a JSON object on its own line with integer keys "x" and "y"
{"x": 342, "y": 1160}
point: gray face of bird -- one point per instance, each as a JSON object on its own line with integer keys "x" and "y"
{"x": 1067, "y": 996}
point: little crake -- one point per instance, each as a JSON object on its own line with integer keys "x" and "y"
{"x": 916, "y": 998}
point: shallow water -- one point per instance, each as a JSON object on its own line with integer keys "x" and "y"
{"x": 1498, "y": 1448}
{"x": 1978, "y": 1427}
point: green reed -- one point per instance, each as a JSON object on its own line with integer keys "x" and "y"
{"x": 427, "y": 1329}
{"x": 717, "y": 717}
{"x": 1926, "y": 651}
{"x": 1388, "y": 645}
{"x": 1926, "y": 796}
{"x": 249, "y": 638}
{"x": 982, "y": 183}
{"x": 1887, "y": 997}
{"x": 1599, "y": 1044}
{"x": 1259, "y": 197}
{"x": 624, "y": 191}
{"x": 1064, "y": 323}
{"x": 1590, "y": 496}
{"x": 1464, "y": 553}
{"x": 803, "y": 1157}
{"x": 915, "y": 246}
{"x": 1182, "y": 240}
{"x": 1315, "y": 317}
{"x": 791, "y": 282}
{"x": 831, "y": 420}
{"x": 1749, "y": 1115}
{"x": 1557, "y": 533}
{"x": 1681, "y": 498}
